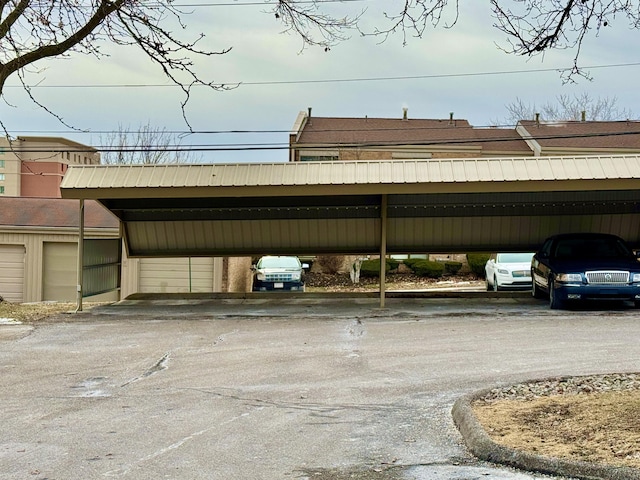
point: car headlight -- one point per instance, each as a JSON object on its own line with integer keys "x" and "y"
{"x": 569, "y": 277}
{"x": 503, "y": 271}
{"x": 635, "y": 278}
{"x": 295, "y": 276}
{"x": 260, "y": 276}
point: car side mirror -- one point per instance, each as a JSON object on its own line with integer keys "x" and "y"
{"x": 305, "y": 266}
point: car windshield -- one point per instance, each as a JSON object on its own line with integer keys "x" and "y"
{"x": 591, "y": 248}
{"x": 514, "y": 257}
{"x": 279, "y": 262}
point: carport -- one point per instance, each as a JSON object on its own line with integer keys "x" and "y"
{"x": 363, "y": 207}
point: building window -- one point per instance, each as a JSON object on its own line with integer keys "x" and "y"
{"x": 319, "y": 158}
{"x": 1, "y": 190}
{"x": 1, "y": 161}
{"x": 1, "y": 177}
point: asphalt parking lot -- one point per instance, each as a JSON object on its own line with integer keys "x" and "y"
{"x": 281, "y": 388}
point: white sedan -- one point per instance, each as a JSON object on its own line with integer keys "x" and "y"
{"x": 508, "y": 271}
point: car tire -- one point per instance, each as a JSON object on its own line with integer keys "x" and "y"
{"x": 535, "y": 290}
{"x": 554, "y": 302}
{"x": 496, "y": 287}
{"x": 489, "y": 286}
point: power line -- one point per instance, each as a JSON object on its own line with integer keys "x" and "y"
{"x": 286, "y": 146}
{"x": 334, "y": 80}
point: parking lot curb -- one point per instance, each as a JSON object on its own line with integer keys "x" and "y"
{"x": 480, "y": 444}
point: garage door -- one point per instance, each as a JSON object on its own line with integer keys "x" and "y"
{"x": 60, "y": 264}
{"x": 176, "y": 275}
{"x": 12, "y": 272}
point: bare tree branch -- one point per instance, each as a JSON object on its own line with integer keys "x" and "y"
{"x": 147, "y": 145}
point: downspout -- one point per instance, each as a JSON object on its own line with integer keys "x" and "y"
{"x": 80, "y": 257}
{"x": 383, "y": 247}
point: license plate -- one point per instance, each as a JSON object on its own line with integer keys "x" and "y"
{"x": 278, "y": 285}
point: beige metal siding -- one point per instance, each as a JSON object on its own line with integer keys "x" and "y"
{"x": 59, "y": 274}
{"x": 468, "y": 234}
{"x": 59, "y": 271}
{"x": 176, "y": 275}
{"x": 12, "y": 272}
{"x": 379, "y": 172}
{"x": 256, "y": 236}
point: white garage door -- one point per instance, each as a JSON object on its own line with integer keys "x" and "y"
{"x": 12, "y": 272}
{"x": 176, "y": 275}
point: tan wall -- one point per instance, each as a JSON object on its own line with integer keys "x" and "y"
{"x": 11, "y": 172}
{"x": 33, "y": 241}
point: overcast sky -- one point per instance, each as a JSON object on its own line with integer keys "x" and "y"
{"x": 459, "y": 70}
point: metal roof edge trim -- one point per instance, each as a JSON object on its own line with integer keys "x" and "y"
{"x": 381, "y": 176}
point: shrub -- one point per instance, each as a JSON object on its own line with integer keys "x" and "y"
{"x": 330, "y": 263}
{"x": 410, "y": 262}
{"x": 371, "y": 268}
{"x": 392, "y": 264}
{"x": 451, "y": 268}
{"x": 476, "y": 262}
{"x": 427, "y": 268}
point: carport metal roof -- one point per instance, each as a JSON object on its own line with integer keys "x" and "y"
{"x": 363, "y": 207}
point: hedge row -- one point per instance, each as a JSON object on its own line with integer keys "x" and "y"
{"x": 421, "y": 267}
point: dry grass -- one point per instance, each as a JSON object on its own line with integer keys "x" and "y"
{"x": 598, "y": 427}
{"x": 32, "y": 312}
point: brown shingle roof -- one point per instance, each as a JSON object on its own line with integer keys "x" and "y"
{"x": 334, "y": 131}
{"x": 585, "y": 135}
{"x": 383, "y": 131}
{"x": 53, "y": 212}
{"x": 500, "y": 140}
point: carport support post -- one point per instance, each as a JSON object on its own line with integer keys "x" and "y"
{"x": 80, "y": 257}
{"x": 383, "y": 247}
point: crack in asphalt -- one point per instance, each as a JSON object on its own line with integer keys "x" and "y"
{"x": 160, "y": 365}
{"x": 315, "y": 408}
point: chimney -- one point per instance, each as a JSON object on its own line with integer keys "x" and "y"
{"x": 537, "y": 119}
{"x": 404, "y": 113}
{"x": 450, "y": 118}
{"x": 309, "y": 112}
{"x": 584, "y": 115}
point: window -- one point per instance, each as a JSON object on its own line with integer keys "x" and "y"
{"x": 319, "y": 158}
{"x": 1, "y": 177}
{"x": 1, "y": 190}
{"x": 1, "y": 161}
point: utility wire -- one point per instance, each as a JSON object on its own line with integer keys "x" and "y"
{"x": 315, "y": 146}
{"x": 333, "y": 80}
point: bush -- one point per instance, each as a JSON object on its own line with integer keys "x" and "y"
{"x": 451, "y": 268}
{"x": 371, "y": 268}
{"x": 330, "y": 263}
{"x": 410, "y": 262}
{"x": 392, "y": 264}
{"x": 427, "y": 268}
{"x": 476, "y": 262}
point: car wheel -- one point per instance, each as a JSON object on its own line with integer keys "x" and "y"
{"x": 489, "y": 286}
{"x": 535, "y": 290}
{"x": 636, "y": 303}
{"x": 495, "y": 284}
{"x": 554, "y": 302}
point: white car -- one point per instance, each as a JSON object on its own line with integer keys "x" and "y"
{"x": 508, "y": 271}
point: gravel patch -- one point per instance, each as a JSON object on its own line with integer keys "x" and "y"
{"x": 616, "y": 382}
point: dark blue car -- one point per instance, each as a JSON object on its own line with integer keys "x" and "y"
{"x": 585, "y": 266}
